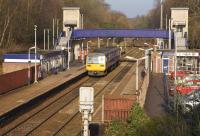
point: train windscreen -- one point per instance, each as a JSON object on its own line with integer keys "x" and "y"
{"x": 96, "y": 59}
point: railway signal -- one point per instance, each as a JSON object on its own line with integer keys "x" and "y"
{"x": 86, "y": 101}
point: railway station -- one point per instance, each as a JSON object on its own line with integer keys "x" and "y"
{"x": 89, "y": 78}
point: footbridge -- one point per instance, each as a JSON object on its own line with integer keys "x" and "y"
{"x": 120, "y": 33}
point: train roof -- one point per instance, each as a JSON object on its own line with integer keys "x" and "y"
{"x": 106, "y": 49}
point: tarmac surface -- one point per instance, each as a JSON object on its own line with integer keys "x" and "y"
{"x": 155, "y": 103}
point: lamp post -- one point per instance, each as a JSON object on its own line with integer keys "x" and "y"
{"x": 175, "y": 67}
{"x": 99, "y": 42}
{"x": 54, "y": 20}
{"x": 48, "y": 38}
{"x": 57, "y": 24}
{"x": 137, "y": 69}
{"x": 68, "y": 55}
{"x": 29, "y": 63}
{"x": 161, "y": 14}
{"x": 113, "y": 41}
{"x": 125, "y": 42}
{"x": 35, "y": 54}
{"x": 44, "y": 39}
{"x": 108, "y": 41}
{"x": 82, "y": 52}
{"x": 88, "y": 45}
{"x": 137, "y": 73}
{"x": 146, "y": 55}
{"x": 169, "y": 46}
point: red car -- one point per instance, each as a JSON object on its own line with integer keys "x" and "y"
{"x": 178, "y": 74}
{"x": 184, "y": 89}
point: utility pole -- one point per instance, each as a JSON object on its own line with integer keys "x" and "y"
{"x": 161, "y": 14}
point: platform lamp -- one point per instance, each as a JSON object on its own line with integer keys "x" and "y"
{"x": 137, "y": 69}
{"x": 88, "y": 45}
{"x": 70, "y": 26}
{"x": 108, "y": 41}
{"x": 35, "y": 53}
{"x": 99, "y": 42}
{"x": 29, "y": 64}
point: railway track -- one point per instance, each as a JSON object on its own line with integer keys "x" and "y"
{"x": 56, "y": 115}
{"x": 26, "y": 123}
{"x": 74, "y": 125}
{"x": 49, "y": 112}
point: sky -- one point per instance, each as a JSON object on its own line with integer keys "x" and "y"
{"x": 131, "y": 8}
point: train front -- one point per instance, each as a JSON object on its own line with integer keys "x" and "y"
{"x": 96, "y": 64}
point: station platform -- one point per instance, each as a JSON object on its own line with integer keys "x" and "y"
{"x": 21, "y": 96}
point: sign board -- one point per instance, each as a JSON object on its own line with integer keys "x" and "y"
{"x": 188, "y": 54}
{"x": 86, "y": 98}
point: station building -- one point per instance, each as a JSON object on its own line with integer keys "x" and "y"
{"x": 48, "y": 62}
{"x": 187, "y": 60}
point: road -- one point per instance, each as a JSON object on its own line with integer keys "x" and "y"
{"x": 155, "y": 104}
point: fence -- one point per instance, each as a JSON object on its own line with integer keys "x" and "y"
{"x": 143, "y": 90}
{"x": 117, "y": 107}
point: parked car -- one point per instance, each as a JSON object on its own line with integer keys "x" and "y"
{"x": 189, "y": 102}
{"x": 178, "y": 74}
{"x": 188, "y": 87}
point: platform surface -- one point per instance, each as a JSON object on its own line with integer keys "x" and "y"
{"x": 23, "y": 95}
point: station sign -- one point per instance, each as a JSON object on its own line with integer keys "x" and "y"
{"x": 188, "y": 54}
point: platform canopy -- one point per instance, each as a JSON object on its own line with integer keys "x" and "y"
{"x": 120, "y": 33}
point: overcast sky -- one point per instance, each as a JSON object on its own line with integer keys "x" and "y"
{"x": 131, "y": 8}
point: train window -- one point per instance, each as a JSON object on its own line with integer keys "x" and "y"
{"x": 96, "y": 60}
{"x": 101, "y": 59}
